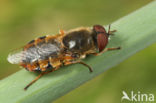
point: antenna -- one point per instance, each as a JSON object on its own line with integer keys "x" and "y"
{"x": 109, "y": 29}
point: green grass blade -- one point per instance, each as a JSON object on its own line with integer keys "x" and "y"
{"x": 135, "y": 32}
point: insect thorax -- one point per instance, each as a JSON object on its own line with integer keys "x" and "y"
{"x": 79, "y": 41}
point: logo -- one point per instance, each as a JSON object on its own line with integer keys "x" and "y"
{"x": 137, "y": 96}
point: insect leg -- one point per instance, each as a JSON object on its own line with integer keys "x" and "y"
{"x": 33, "y": 81}
{"x": 43, "y": 73}
{"x": 106, "y": 49}
{"x": 80, "y": 62}
{"x": 90, "y": 68}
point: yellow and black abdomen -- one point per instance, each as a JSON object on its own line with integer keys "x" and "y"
{"x": 39, "y": 54}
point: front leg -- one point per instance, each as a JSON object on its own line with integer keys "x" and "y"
{"x": 106, "y": 49}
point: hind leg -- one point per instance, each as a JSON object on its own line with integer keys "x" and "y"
{"x": 39, "y": 76}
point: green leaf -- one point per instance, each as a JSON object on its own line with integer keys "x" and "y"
{"x": 134, "y": 32}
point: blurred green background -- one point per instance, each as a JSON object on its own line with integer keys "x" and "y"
{"x": 21, "y": 21}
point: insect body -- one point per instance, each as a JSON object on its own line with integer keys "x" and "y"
{"x": 49, "y": 53}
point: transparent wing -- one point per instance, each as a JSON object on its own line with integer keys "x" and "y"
{"x": 34, "y": 53}
{"x": 48, "y": 49}
{"x": 24, "y": 56}
{"x": 16, "y": 56}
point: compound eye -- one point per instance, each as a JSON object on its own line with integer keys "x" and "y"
{"x": 102, "y": 37}
{"x": 102, "y": 41}
{"x": 99, "y": 29}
